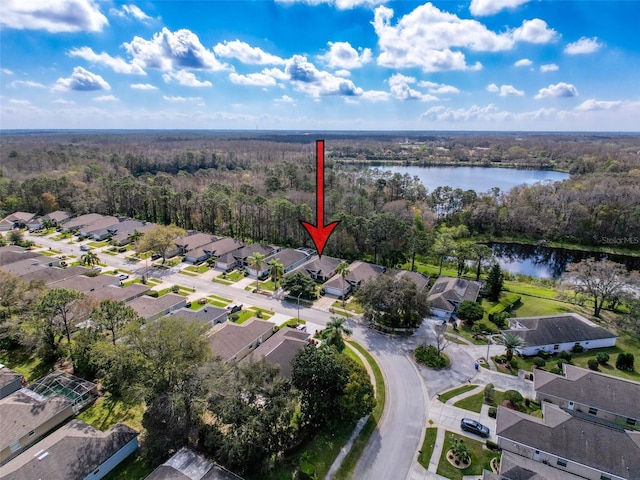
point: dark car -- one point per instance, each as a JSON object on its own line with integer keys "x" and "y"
{"x": 471, "y": 426}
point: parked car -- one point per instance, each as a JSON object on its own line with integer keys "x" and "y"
{"x": 471, "y": 426}
{"x": 156, "y": 256}
{"x": 84, "y": 248}
{"x": 123, "y": 276}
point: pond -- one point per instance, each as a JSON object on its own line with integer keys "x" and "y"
{"x": 480, "y": 179}
{"x": 546, "y": 262}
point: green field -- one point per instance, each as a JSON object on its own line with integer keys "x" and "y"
{"x": 480, "y": 458}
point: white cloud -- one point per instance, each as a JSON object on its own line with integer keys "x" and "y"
{"x": 18, "y": 101}
{"x": 534, "y": 31}
{"x": 253, "y": 79}
{"x": 524, "y": 62}
{"x": 583, "y": 46}
{"x": 62, "y": 101}
{"x": 246, "y": 53}
{"x": 81, "y": 80}
{"x": 399, "y": 86}
{"x": 490, "y": 7}
{"x": 26, "y": 83}
{"x": 505, "y": 90}
{"x": 181, "y": 99}
{"x": 285, "y": 99}
{"x": 6, "y": 71}
{"x": 549, "y": 67}
{"x": 593, "y": 105}
{"x": 438, "y": 88}
{"x": 186, "y": 79}
{"x": 106, "y": 98}
{"x": 143, "y": 86}
{"x": 343, "y": 55}
{"x": 342, "y": 73}
{"x": 473, "y": 113}
{"x": 375, "y": 95}
{"x": 132, "y": 11}
{"x": 168, "y": 50}
{"x": 306, "y": 78}
{"x": 559, "y": 90}
{"x": 117, "y": 64}
{"x": 339, "y": 4}
{"x": 54, "y": 16}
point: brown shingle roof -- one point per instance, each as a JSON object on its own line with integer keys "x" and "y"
{"x": 281, "y": 347}
{"x": 119, "y": 294}
{"x": 447, "y": 292}
{"x": 228, "y": 339}
{"x": 359, "y": 272}
{"x": 85, "y": 284}
{"x": 149, "y": 307}
{"x": 53, "y": 274}
{"x": 286, "y": 256}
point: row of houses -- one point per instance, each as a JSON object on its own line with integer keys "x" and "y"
{"x": 589, "y": 430}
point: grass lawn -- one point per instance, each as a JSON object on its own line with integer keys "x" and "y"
{"x": 474, "y": 403}
{"x": 220, "y": 281}
{"x": 265, "y": 314}
{"x": 196, "y": 305}
{"x": 219, "y": 298}
{"x": 341, "y": 312}
{"x": 426, "y": 451}
{"x": 351, "y": 305}
{"x": 197, "y": 268}
{"x": 134, "y": 467}
{"x": 217, "y": 303}
{"x": 108, "y": 410}
{"x": 99, "y": 244}
{"x": 293, "y": 322}
{"x": 30, "y": 367}
{"x": 244, "y": 315}
{"x": 350, "y": 352}
{"x": 235, "y": 276}
{"x": 480, "y": 458}
{"x": 444, "y": 397}
{"x": 188, "y": 274}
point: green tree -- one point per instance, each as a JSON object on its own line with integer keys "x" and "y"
{"x": 470, "y": 312}
{"x": 480, "y": 253}
{"x": 334, "y": 331}
{"x": 160, "y": 239}
{"x": 58, "y": 312}
{"x": 89, "y": 259}
{"x": 443, "y": 247}
{"x": 358, "y": 398}
{"x": 513, "y": 396}
{"x": 135, "y": 239}
{"x": 495, "y": 282}
{"x": 14, "y": 237}
{"x": 299, "y": 284}
{"x": 625, "y": 362}
{"x": 343, "y": 271}
{"x": 510, "y": 341}
{"x": 113, "y": 316}
{"x": 255, "y": 262}
{"x": 393, "y": 301}
{"x": 276, "y": 269}
{"x": 602, "y": 280}
{"x": 462, "y": 251}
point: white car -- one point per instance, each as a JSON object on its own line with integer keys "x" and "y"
{"x": 123, "y": 276}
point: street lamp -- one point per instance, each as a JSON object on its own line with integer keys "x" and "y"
{"x": 299, "y": 306}
{"x": 488, "y": 343}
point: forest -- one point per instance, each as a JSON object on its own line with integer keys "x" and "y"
{"x": 258, "y": 186}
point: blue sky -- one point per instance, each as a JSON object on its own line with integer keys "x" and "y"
{"x": 321, "y": 65}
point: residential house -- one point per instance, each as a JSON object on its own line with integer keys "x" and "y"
{"x": 118, "y": 293}
{"x": 25, "y": 417}
{"x": 12, "y": 253}
{"x": 320, "y": 269}
{"x": 191, "y": 242}
{"x": 240, "y": 258}
{"x": 10, "y": 381}
{"x": 207, "y": 314}
{"x": 607, "y": 398}
{"x": 84, "y": 284}
{"x": 231, "y": 341}
{"x": 359, "y": 272}
{"x": 15, "y": 220}
{"x": 149, "y": 307}
{"x": 53, "y": 274}
{"x": 555, "y": 333}
{"x": 100, "y": 229}
{"x": 75, "y": 451}
{"x": 81, "y": 393}
{"x": 288, "y": 257}
{"x": 214, "y": 249}
{"x": 23, "y": 267}
{"x": 82, "y": 221}
{"x": 420, "y": 279}
{"x": 515, "y": 467}
{"x": 120, "y": 233}
{"x": 281, "y": 348}
{"x": 449, "y": 292}
{"x": 55, "y": 218}
{"x": 570, "y": 443}
{"x": 187, "y": 465}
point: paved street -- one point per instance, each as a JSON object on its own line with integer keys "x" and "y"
{"x": 411, "y": 390}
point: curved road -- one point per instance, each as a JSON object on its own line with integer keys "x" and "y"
{"x": 394, "y": 444}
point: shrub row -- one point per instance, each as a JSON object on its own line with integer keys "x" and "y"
{"x": 505, "y": 305}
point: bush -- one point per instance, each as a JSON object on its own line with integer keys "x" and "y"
{"x": 556, "y": 370}
{"x": 492, "y": 445}
{"x": 470, "y": 312}
{"x": 500, "y": 319}
{"x": 505, "y": 305}
{"x": 592, "y": 363}
{"x": 489, "y": 391}
{"x": 602, "y": 358}
{"x": 153, "y": 293}
{"x": 513, "y": 396}
{"x": 493, "y": 412}
{"x": 625, "y": 362}
{"x": 259, "y": 314}
{"x": 234, "y": 317}
{"x": 514, "y": 363}
{"x": 543, "y": 354}
{"x": 561, "y": 361}
{"x": 429, "y": 356}
{"x": 538, "y": 362}
{"x": 577, "y": 349}
{"x": 566, "y": 355}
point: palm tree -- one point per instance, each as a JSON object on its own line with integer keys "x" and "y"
{"x": 90, "y": 259}
{"x": 255, "y": 261}
{"x": 134, "y": 237}
{"x": 276, "y": 269}
{"x": 343, "y": 271}
{"x": 510, "y": 341}
{"x": 334, "y": 332}
{"x": 460, "y": 450}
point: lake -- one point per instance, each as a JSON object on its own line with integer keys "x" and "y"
{"x": 480, "y": 179}
{"x": 546, "y": 262}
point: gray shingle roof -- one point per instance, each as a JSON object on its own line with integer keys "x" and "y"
{"x": 447, "y": 292}
{"x": 286, "y": 256}
{"x": 359, "y": 272}
{"x": 281, "y": 347}
{"x": 187, "y": 465}
{"x": 82, "y": 221}
{"x": 595, "y": 389}
{"x": 148, "y": 307}
{"x": 117, "y": 293}
{"x": 227, "y": 339}
{"x": 551, "y": 329}
{"x": 71, "y": 452}
{"x": 85, "y": 284}
{"x": 611, "y": 450}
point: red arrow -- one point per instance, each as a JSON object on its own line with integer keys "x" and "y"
{"x": 319, "y": 232}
